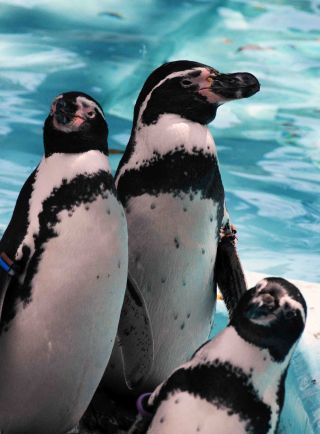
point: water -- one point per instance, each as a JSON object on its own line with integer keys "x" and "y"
{"x": 268, "y": 145}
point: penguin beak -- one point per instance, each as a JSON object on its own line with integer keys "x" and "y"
{"x": 257, "y": 310}
{"x": 67, "y": 115}
{"x": 235, "y": 86}
{"x": 262, "y": 305}
{"x": 64, "y": 111}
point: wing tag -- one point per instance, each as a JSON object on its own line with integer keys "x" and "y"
{"x": 7, "y": 264}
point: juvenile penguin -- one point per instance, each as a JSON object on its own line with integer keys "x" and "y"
{"x": 235, "y": 382}
{"x": 67, "y": 244}
{"x": 170, "y": 185}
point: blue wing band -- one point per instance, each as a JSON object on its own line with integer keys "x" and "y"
{"x": 4, "y": 265}
{"x": 7, "y": 267}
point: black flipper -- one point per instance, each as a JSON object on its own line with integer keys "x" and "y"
{"x": 135, "y": 337}
{"x": 228, "y": 272}
{"x": 5, "y": 280}
{"x": 14, "y": 234}
{"x": 17, "y": 228}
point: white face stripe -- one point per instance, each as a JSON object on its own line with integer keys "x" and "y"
{"x": 294, "y": 304}
{"x": 261, "y": 284}
{"x": 168, "y": 77}
{"x": 83, "y": 100}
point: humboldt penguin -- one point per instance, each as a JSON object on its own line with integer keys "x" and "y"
{"x": 63, "y": 262}
{"x": 169, "y": 183}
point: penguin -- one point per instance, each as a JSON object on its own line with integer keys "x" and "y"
{"x": 169, "y": 183}
{"x": 234, "y": 383}
{"x": 66, "y": 248}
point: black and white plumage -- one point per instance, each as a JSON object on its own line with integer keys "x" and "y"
{"x": 68, "y": 237}
{"x": 235, "y": 382}
{"x": 170, "y": 185}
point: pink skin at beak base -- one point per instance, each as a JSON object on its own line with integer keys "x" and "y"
{"x": 77, "y": 119}
{"x": 204, "y": 81}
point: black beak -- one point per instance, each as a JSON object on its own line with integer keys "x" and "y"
{"x": 65, "y": 111}
{"x": 235, "y": 86}
{"x": 265, "y": 304}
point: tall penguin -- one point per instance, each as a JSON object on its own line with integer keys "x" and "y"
{"x": 67, "y": 245}
{"x": 170, "y": 185}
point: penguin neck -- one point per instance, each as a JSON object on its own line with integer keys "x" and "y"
{"x": 70, "y": 165}
{"x": 169, "y": 135}
{"x": 71, "y": 143}
{"x": 245, "y": 356}
{"x": 275, "y": 337}
{"x": 172, "y": 132}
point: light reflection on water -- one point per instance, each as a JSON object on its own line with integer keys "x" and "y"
{"x": 268, "y": 145}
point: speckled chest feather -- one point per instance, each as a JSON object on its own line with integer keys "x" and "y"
{"x": 174, "y": 202}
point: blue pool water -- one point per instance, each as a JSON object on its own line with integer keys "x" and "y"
{"x": 269, "y": 145}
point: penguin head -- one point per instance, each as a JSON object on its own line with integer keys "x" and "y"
{"x": 76, "y": 123}
{"x": 190, "y": 89}
{"x": 271, "y": 315}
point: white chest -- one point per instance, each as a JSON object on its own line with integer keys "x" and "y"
{"x": 172, "y": 250}
{"x": 172, "y": 238}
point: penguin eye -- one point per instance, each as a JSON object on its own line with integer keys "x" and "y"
{"x": 186, "y": 83}
{"x": 233, "y": 81}
{"x": 91, "y": 114}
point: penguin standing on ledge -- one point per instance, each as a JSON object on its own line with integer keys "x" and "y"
{"x": 170, "y": 185}
{"x": 233, "y": 384}
{"x": 66, "y": 245}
